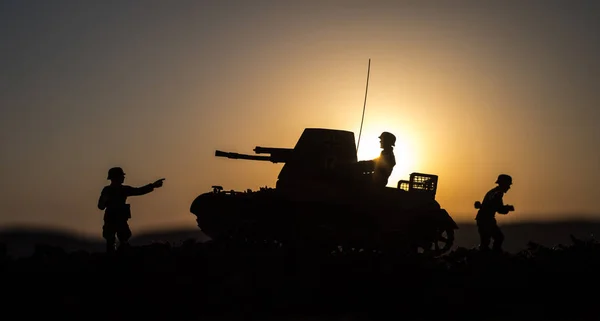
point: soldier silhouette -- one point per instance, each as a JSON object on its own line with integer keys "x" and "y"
{"x": 486, "y": 216}
{"x": 383, "y": 165}
{"x": 117, "y": 212}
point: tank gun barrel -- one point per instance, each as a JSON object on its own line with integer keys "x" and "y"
{"x": 219, "y": 153}
{"x": 276, "y": 156}
{"x": 272, "y": 150}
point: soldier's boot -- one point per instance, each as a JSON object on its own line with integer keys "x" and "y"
{"x": 497, "y": 248}
{"x": 484, "y": 244}
{"x": 124, "y": 246}
{"x": 110, "y": 246}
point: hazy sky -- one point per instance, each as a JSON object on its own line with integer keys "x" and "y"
{"x": 471, "y": 90}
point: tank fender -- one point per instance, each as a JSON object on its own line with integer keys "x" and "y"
{"x": 198, "y": 203}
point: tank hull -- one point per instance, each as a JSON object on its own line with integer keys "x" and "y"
{"x": 361, "y": 218}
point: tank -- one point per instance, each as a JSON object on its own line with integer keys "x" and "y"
{"x": 323, "y": 197}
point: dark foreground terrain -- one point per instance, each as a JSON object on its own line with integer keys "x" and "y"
{"x": 218, "y": 281}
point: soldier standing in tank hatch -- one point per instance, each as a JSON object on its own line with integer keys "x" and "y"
{"x": 112, "y": 199}
{"x": 486, "y": 216}
{"x": 384, "y": 164}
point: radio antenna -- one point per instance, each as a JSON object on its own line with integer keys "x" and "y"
{"x": 364, "y": 105}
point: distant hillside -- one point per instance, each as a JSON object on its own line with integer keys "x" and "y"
{"x": 171, "y": 236}
{"x": 22, "y": 241}
{"x": 518, "y": 235}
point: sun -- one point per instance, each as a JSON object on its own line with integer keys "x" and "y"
{"x": 406, "y": 161}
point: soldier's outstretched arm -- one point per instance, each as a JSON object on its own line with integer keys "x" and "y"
{"x": 137, "y": 191}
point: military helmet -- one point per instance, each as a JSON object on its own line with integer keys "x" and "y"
{"x": 115, "y": 172}
{"x": 388, "y": 137}
{"x": 504, "y": 179}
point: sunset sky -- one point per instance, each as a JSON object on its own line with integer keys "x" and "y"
{"x": 470, "y": 89}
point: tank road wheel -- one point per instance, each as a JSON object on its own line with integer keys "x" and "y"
{"x": 443, "y": 240}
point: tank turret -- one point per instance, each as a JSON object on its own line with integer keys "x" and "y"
{"x": 322, "y": 195}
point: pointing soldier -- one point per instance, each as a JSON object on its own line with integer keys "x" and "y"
{"x": 117, "y": 212}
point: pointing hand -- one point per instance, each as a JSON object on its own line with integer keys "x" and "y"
{"x": 158, "y": 183}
